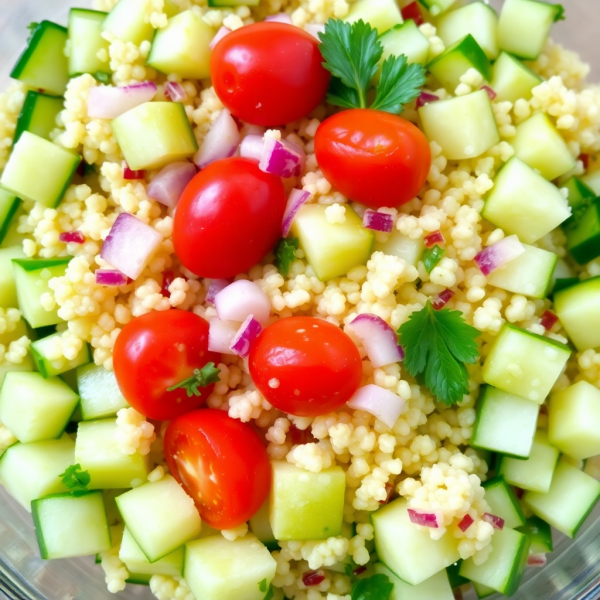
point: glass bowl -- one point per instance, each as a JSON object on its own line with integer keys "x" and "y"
{"x": 573, "y": 570}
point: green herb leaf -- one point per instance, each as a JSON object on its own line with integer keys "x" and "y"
{"x": 377, "y": 587}
{"x": 270, "y": 593}
{"x": 438, "y": 343}
{"x": 339, "y": 94}
{"x": 285, "y": 254}
{"x": 76, "y": 480}
{"x": 431, "y": 257}
{"x": 201, "y": 378}
{"x": 102, "y": 77}
{"x": 32, "y": 27}
{"x": 262, "y": 586}
{"x": 560, "y": 13}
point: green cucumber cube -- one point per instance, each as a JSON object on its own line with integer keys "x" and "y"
{"x": 160, "y": 516}
{"x": 592, "y": 180}
{"x": 97, "y": 452}
{"x": 25, "y": 366}
{"x": 53, "y": 166}
{"x": 536, "y": 472}
{"x": 402, "y": 246}
{"x": 503, "y": 502}
{"x": 154, "y": 134}
{"x": 581, "y": 197}
{"x": 405, "y": 39}
{"x": 11, "y": 236}
{"x": 332, "y": 249}
{"x": 8, "y": 288}
{"x": 540, "y": 534}
{"x": 34, "y": 408}
{"x": 99, "y": 392}
{"x": 545, "y": 209}
{"x": 30, "y": 471}
{"x": 570, "y": 499}
{"x": 482, "y": 591}
{"x": 182, "y": 47}
{"x": 524, "y": 363}
{"x": 529, "y": 274}
{"x": 67, "y": 526}
{"x": 38, "y": 115}
{"x": 380, "y": 14}
{"x": 465, "y": 126}
{"x": 86, "y": 41}
{"x": 217, "y": 569}
{"x": 136, "y": 562}
{"x": 437, "y": 7}
{"x": 583, "y": 238}
{"x": 574, "y": 420}
{"x": 304, "y": 505}
{"x": 227, "y": 3}
{"x": 9, "y": 204}
{"x": 512, "y": 80}
{"x": 260, "y": 525}
{"x": 505, "y": 423}
{"x": 49, "y": 367}
{"x": 436, "y": 587}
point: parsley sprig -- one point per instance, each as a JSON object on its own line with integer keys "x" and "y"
{"x": 352, "y": 54}
{"x": 76, "y": 480}
{"x": 377, "y": 587}
{"x": 285, "y": 254}
{"x": 438, "y": 344}
{"x": 201, "y": 378}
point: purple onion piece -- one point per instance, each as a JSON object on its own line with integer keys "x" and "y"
{"x": 175, "y": 91}
{"x": 379, "y": 340}
{"x": 252, "y": 147}
{"x": 381, "y": 403}
{"x": 169, "y": 184}
{"x": 247, "y": 333}
{"x": 279, "y": 18}
{"x": 378, "y": 221}
{"x": 109, "y": 102}
{"x": 424, "y": 519}
{"x": 296, "y": 199}
{"x": 111, "y": 277}
{"x": 425, "y": 98}
{"x": 216, "y": 286}
{"x": 72, "y": 237}
{"x": 219, "y": 36}
{"x": 221, "y": 141}
{"x": 497, "y": 255}
{"x": 282, "y": 158}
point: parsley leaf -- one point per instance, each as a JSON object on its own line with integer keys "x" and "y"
{"x": 102, "y": 77}
{"x": 560, "y": 13}
{"x": 270, "y": 593}
{"x": 76, "y": 480}
{"x": 262, "y": 585}
{"x": 377, "y": 587}
{"x": 438, "y": 343}
{"x": 285, "y": 254}
{"x": 340, "y": 94}
{"x": 201, "y": 378}
{"x": 32, "y": 28}
{"x": 431, "y": 257}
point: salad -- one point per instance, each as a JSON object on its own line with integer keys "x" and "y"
{"x": 300, "y": 299}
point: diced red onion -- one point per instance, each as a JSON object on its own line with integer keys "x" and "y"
{"x": 216, "y": 286}
{"x": 585, "y": 160}
{"x": 466, "y": 522}
{"x": 282, "y": 158}
{"x": 442, "y": 299}
{"x": 312, "y": 578}
{"x": 425, "y": 98}
{"x": 437, "y": 237}
{"x": 424, "y": 519}
{"x": 519, "y": 492}
{"x": 360, "y": 570}
{"x": 254, "y": 129}
{"x": 72, "y": 237}
{"x": 378, "y": 401}
{"x": 240, "y": 299}
{"x": 246, "y": 334}
{"x": 549, "y": 320}
{"x": 536, "y": 560}
{"x": 378, "y": 221}
{"x": 412, "y": 11}
{"x": 315, "y": 29}
{"x": 389, "y": 490}
{"x": 490, "y": 92}
{"x": 500, "y": 253}
{"x": 130, "y": 174}
{"x": 493, "y": 520}
{"x": 219, "y": 36}
{"x": 221, "y": 335}
{"x": 279, "y": 18}
{"x": 167, "y": 279}
{"x": 109, "y": 102}
{"x": 175, "y": 91}
{"x": 130, "y": 245}
{"x": 295, "y": 201}
{"x": 111, "y": 277}
{"x": 252, "y": 147}
{"x": 169, "y": 184}
{"x": 379, "y": 339}
{"x": 221, "y": 141}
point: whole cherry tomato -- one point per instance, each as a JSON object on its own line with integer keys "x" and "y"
{"x": 305, "y": 366}
{"x": 373, "y": 157}
{"x": 269, "y": 73}
{"x": 221, "y": 463}
{"x": 229, "y": 217}
{"x": 160, "y": 350}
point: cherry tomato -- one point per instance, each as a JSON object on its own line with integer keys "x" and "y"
{"x": 269, "y": 73}
{"x": 229, "y": 217}
{"x": 221, "y": 463}
{"x": 305, "y": 366}
{"x": 373, "y": 157}
{"x": 157, "y": 351}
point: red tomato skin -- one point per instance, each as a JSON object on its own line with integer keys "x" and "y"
{"x": 156, "y": 351}
{"x": 315, "y": 366}
{"x": 229, "y": 217}
{"x": 237, "y": 474}
{"x": 373, "y": 157}
{"x": 269, "y": 73}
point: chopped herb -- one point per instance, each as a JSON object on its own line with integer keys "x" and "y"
{"x": 262, "y": 585}
{"x": 377, "y": 587}
{"x": 270, "y": 593}
{"x": 285, "y": 254}
{"x": 32, "y": 27}
{"x": 201, "y": 378}
{"x": 431, "y": 257}
{"x": 76, "y": 480}
{"x": 560, "y": 13}
{"x": 102, "y": 77}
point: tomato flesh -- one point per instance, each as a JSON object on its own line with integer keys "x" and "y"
{"x": 305, "y": 366}
{"x": 221, "y": 463}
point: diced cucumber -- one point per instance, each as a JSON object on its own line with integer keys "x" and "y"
{"x": 12, "y": 237}
{"x": 402, "y": 246}
{"x": 405, "y": 39}
{"x": 503, "y": 502}
{"x": 25, "y": 366}
{"x": 478, "y": 19}
{"x": 574, "y": 420}
{"x": 305, "y": 505}
{"x": 529, "y": 274}
{"x": 572, "y": 496}
{"x": 436, "y": 587}
{"x": 226, "y": 3}
{"x": 545, "y": 209}
{"x": 332, "y": 249}
{"x": 30, "y": 471}
{"x": 583, "y": 239}
{"x": 260, "y": 526}
{"x": 524, "y": 26}
{"x": 138, "y": 579}
{"x": 536, "y": 472}
{"x": 97, "y": 452}
{"x": 18, "y": 332}
{"x": 482, "y": 591}
{"x": 8, "y": 289}
{"x": 136, "y": 562}
{"x": 437, "y": 7}
{"x": 406, "y": 550}
{"x": 456, "y": 60}
{"x": 465, "y": 126}
{"x": 9, "y": 205}
{"x": 31, "y": 278}
{"x": 505, "y": 423}
{"x": 86, "y": 41}
{"x": 504, "y": 568}
{"x": 38, "y": 115}
{"x": 511, "y": 79}
{"x": 53, "y": 166}
{"x": 524, "y": 363}
{"x": 43, "y": 65}
{"x": 68, "y": 526}
{"x": 540, "y": 534}
{"x": 581, "y": 198}
{"x": 154, "y": 134}
{"x": 183, "y": 47}
{"x": 380, "y": 14}
{"x": 592, "y": 180}
{"x": 577, "y": 309}
{"x": 99, "y": 392}
{"x": 49, "y": 367}
{"x": 217, "y": 569}
{"x": 34, "y": 408}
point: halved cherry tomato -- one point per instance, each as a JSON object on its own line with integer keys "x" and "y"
{"x": 269, "y": 73}
{"x": 373, "y": 157}
{"x": 305, "y": 366}
{"x": 157, "y": 351}
{"x": 221, "y": 463}
{"x": 229, "y": 217}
